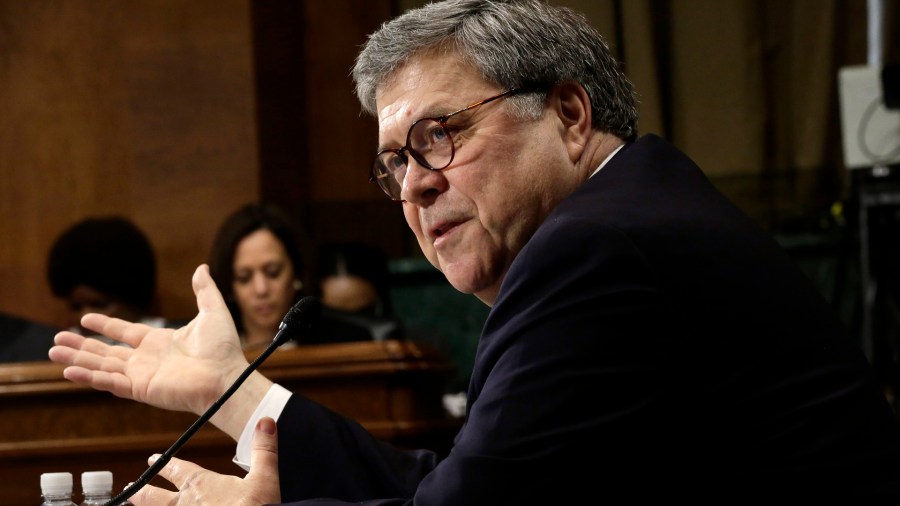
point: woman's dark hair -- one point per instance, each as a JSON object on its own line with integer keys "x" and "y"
{"x": 109, "y": 254}
{"x": 241, "y": 223}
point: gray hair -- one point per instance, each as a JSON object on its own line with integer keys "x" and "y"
{"x": 525, "y": 44}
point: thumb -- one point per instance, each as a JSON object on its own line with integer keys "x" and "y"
{"x": 264, "y": 454}
{"x": 209, "y": 297}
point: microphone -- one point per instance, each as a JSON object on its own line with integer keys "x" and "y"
{"x": 303, "y": 317}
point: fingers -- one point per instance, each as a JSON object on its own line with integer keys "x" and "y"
{"x": 117, "y": 384}
{"x": 73, "y": 349}
{"x": 264, "y": 456}
{"x": 70, "y": 339}
{"x": 90, "y": 353}
{"x": 149, "y": 495}
{"x": 179, "y": 472}
{"x": 92, "y": 362}
{"x": 66, "y": 345}
{"x": 114, "y": 328}
{"x": 201, "y": 277}
{"x": 209, "y": 298}
{"x": 197, "y": 485}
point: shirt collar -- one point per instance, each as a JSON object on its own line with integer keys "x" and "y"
{"x": 608, "y": 158}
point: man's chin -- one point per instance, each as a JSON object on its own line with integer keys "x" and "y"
{"x": 462, "y": 280}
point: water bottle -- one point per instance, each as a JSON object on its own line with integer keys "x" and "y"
{"x": 97, "y": 487}
{"x": 56, "y": 489}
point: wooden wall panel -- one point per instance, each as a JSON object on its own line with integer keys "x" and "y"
{"x": 143, "y": 108}
{"x": 342, "y": 139}
{"x": 174, "y": 114}
{"x": 315, "y": 144}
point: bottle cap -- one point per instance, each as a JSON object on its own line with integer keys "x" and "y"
{"x": 56, "y": 483}
{"x": 96, "y": 481}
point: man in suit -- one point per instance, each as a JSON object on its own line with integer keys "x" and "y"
{"x": 646, "y": 340}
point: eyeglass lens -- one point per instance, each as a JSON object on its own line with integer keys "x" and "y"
{"x": 428, "y": 142}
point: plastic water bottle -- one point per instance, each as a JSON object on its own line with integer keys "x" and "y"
{"x": 97, "y": 487}
{"x": 56, "y": 489}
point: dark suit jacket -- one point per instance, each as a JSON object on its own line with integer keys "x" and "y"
{"x": 22, "y": 340}
{"x": 650, "y": 341}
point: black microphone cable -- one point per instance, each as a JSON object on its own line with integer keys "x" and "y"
{"x": 302, "y": 317}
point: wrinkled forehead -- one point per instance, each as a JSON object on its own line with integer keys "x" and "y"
{"x": 429, "y": 84}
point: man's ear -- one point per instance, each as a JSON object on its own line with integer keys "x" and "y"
{"x": 573, "y": 108}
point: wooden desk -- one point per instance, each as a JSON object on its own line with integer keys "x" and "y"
{"x": 48, "y": 424}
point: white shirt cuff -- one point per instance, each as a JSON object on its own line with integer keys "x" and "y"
{"x": 271, "y": 405}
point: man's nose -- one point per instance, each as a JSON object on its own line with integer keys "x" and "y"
{"x": 421, "y": 183}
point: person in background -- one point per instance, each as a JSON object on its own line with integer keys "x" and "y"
{"x": 353, "y": 281}
{"x": 354, "y": 284}
{"x": 257, "y": 263}
{"x": 24, "y": 340}
{"x": 647, "y": 341}
{"x": 107, "y": 265}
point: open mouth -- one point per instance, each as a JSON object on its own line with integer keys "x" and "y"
{"x": 443, "y": 228}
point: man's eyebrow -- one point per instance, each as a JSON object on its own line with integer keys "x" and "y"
{"x": 434, "y": 111}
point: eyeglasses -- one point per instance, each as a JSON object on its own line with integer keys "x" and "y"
{"x": 428, "y": 141}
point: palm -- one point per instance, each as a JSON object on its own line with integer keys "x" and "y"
{"x": 180, "y": 368}
{"x": 184, "y": 369}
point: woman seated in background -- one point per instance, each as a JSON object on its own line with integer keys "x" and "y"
{"x": 104, "y": 265}
{"x": 257, "y": 264}
{"x": 353, "y": 281}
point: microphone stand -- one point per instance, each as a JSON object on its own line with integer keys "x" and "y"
{"x": 287, "y": 327}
